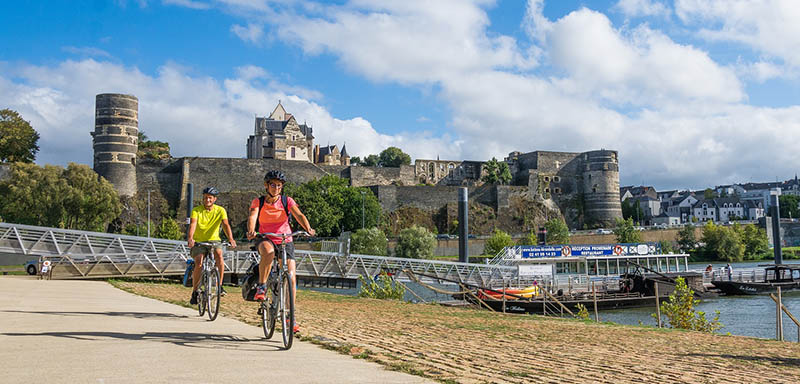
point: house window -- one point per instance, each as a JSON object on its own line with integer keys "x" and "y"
{"x": 546, "y": 179}
{"x": 558, "y": 190}
{"x": 556, "y": 179}
{"x": 547, "y": 190}
{"x": 293, "y": 152}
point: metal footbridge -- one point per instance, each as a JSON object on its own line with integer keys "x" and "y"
{"x": 76, "y": 254}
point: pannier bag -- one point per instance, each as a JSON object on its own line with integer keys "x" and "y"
{"x": 187, "y": 276}
{"x": 250, "y": 282}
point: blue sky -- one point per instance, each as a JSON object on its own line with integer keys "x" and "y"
{"x": 692, "y": 93}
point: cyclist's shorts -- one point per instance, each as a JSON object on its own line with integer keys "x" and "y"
{"x": 202, "y": 249}
{"x": 279, "y": 248}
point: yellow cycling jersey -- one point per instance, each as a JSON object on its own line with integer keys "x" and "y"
{"x": 208, "y": 222}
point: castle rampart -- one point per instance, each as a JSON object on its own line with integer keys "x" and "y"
{"x": 115, "y": 140}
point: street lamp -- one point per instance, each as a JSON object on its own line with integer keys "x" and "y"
{"x": 363, "y": 194}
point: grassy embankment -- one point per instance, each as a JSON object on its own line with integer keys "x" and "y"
{"x": 474, "y": 346}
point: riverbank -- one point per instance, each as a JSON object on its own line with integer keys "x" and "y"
{"x": 462, "y": 345}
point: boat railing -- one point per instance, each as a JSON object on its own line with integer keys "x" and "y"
{"x": 747, "y": 275}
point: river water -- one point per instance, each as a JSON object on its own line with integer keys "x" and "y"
{"x": 740, "y": 315}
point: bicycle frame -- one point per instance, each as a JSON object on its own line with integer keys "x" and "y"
{"x": 209, "y": 299}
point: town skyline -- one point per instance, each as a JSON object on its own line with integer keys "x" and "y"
{"x": 691, "y": 94}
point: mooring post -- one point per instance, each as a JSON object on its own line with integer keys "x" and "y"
{"x": 779, "y": 317}
{"x": 594, "y": 298}
{"x": 658, "y": 304}
{"x": 463, "y": 224}
{"x": 189, "y": 198}
{"x": 504, "y": 295}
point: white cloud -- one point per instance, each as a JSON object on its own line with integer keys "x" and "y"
{"x": 86, "y": 51}
{"x": 770, "y": 27}
{"x": 193, "y": 4}
{"x": 640, "y": 8}
{"x": 198, "y": 116}
{"x": 251, "y": 33}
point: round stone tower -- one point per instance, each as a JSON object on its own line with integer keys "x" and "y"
{"x": 115, "y": 140}
{"x": 601, "y": 188}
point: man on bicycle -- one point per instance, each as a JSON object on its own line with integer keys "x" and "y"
{"x": 272, "y": 216}
{"x": 204, "y": 227}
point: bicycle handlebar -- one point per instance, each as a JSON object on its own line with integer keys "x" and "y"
{"x": 210, "y": 244}
{"x": 282, "y": 235}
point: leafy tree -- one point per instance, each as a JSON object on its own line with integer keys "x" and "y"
{"x": 686, "y": 238}
{"x": 666, "y": 246}
{"x": 755, "y": 242}
{"x": 415, "y": 243}
{"x": 383, "y": 287}
{"x": 681, "y": 313}
{"x": 332, "y": 205}
{"x": 631, "y": 209}
{"x": 18, "y": 140}
{"x": 709, "y": 193}
{"x": 152, "y": 149}
{"x": 73, "y": 198}
{"x": 529, "y": 239}
{"x": 355, "y": 160}
{"x": 137, "y": 229}
{"x": 497, "y": 172}
{"x": 169, "y": 229}
{"x": 371, "y": 161}
{"x": 789, "y": 206}
{"x": 557, "y": 231}
{"x": 722, "y": 243}
{"x": 496, "y": 242}
{"x": 369, "y": 241}
{"x": 626, "y": 233}
{"x": 393, "y": 157}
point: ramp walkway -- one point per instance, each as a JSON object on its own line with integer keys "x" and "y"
{"x": 81, "y": 254}
{"x": 67, "y": 331}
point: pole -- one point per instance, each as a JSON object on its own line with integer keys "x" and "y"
{"x": 776, "y": 224}
{"x": 658, "y": 305}
{"x": 594, "y": 298}
{"x": 189, "y": 202}
{"x": 504, "y": 295}
{"x": 779, "y": 318}
{"x": 463, "y": 225}
{"x": 148, "y": 213}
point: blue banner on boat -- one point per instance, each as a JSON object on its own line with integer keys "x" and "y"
{"x": 591, "y": 250}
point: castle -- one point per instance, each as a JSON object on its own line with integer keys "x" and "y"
{"x": 583, "y": 187}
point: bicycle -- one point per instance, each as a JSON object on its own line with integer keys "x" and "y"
{"x": 210, "y": 287}
{"x": 280, "y": 295}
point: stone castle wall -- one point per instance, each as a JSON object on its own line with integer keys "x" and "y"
{"x": 367, "y": 176}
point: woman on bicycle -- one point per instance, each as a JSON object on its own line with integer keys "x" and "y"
{"x": 204, "y": 227}
{"x": 271, "y": 216}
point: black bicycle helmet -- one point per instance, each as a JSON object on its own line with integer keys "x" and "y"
{"x": 275, "y": 175}
{"x": 210, "y": 191}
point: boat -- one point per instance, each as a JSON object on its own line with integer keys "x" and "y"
{"x": 785, "y": 276}
{"x": 510, "y": 294}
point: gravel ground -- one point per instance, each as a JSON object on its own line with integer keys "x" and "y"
{"x": 463, "y": 345}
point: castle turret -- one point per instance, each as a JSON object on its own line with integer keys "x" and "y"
{"x": 115, "y": 140}
{"x": 601, "y": 187}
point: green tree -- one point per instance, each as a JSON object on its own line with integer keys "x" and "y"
{"x": 169, "y": 229}
{"x": 626, "y": 233}
{"x": 680, "y": 310}
{"x": 73, "y": 198}
{"x": 355, "y": 160}
{"x": 529, "y": 239}
{"x": 557, "y": 231}
{"x": 666, "y": 246}
{"x": 18, "y": 140}
{"x": 497, "y": 172}
{"x": 632, "y": 210}
{"x": 140, "y": 229}
{"x": 152, "y": 149}
{"x": 686, "y": 238}
{"x": 755, "y": 242}
{"x": 393, "y": 157}
{"x": 722, "y": 243}
{"x": 789, "y": 206}
{"x": 496, "y": 242}
{"x": 371, "y": 161}
{"x": 369, "y": 241}
{"x": 415, "y": 243}
{"x": 709, "y": 193}
{"x": 332, "y": 205}
{"x": 383, "y": 287}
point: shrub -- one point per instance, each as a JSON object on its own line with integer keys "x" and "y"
{"x": 680, "y": 312}
{"x": 583, "y": 313}
{"x": 368, "y": 241}
{"x": 415, "y": 243}
{"x": 497, "y": 242}
{"x": 169, "y": 229}
{"x": 383, "y": 287}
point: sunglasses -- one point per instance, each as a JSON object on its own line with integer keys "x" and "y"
{"x": 275, "y": 185}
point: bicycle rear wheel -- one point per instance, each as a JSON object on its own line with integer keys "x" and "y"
{"x": 213, "y": 294}
{"x": 201, "y": 295}
{"x": 269, "y": 312}
{"x": 287, "y": 310}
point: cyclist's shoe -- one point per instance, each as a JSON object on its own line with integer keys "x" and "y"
{"x": 193, "y": 300}
{"x": 222, "y": 291}
{"x": 296, "y": 328}
{"x": 261, "y": 292}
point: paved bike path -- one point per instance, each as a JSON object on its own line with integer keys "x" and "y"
{"x": 64, "y": 331}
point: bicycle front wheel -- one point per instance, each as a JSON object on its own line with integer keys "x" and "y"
{"x": 213, "y": 293}
{"x": 269, "y": 312}
{"x": 287, "y": 310}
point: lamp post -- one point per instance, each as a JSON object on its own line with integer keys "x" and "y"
{"x": 363, "y": 195}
